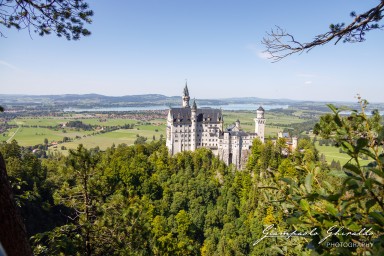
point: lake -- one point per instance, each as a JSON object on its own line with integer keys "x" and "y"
{"x": 249, "y": 107}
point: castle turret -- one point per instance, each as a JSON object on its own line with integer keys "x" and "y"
{"x": 237, "y": 123}
{"x": 260, "y": 123}
{"x": 169, "y": 139}
{"x": 294, "y": 143}
{"x": 185, "y": 96}
{"x": 194, "y": 126}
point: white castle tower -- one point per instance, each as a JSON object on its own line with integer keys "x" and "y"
{"x": 260, "y": 123}
{"x": 194, "y": 126}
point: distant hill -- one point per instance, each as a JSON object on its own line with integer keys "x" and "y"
{"x": 127, "y": 100}
{"x": 57, "y": 102}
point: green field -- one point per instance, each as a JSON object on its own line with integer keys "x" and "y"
{"x": 30, "y": 136}
{"x": 54, "y": 121}
{"x": 332, "y": 153}
{"x": 272, "y": 124}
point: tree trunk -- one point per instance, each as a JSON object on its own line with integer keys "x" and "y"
{"x": 13, "y": 235}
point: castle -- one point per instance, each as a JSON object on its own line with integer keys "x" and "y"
{"x": 189, "y": 128}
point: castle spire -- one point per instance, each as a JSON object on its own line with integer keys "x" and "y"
{"x": 185, "y": 96}
{"x": 194, "y": 106}
{"x": 186, "y": 92}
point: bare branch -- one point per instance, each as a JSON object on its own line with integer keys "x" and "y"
{"x": 280, "y": 44}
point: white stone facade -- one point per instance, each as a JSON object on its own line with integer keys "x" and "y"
{"x": 189, "y": 128}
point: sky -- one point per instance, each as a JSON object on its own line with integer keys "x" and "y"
{"x": 153, "y": 46}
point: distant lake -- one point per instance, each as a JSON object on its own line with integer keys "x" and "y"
{"x": 223, "y": 107}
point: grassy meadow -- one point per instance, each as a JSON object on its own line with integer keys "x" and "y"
{"x": 35, "y": 134}
{"x": 272, "y": 124}
{"x": 33, "y": 131}
{"x": 332, "y": 153}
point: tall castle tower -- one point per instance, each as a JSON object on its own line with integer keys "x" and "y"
{"x": 185, "y": 96}
{"x": 260, "y": 123}
{"x": 194, "y": 126}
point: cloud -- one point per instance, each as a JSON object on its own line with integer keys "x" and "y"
{"x": 264, "y": 55}
{"x": 8, "y": 65}
{"x": 259, "y": 53}
{"x": 308, "y": 82}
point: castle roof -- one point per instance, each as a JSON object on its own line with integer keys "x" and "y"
{"x": 186, "y": 92}
{"x": 194, "y": 106}
{"x": 238, "y": 133}
{"x": 230, "y": 127}
{"x": 183, "y": 115}
{"x": 260, "y": 109}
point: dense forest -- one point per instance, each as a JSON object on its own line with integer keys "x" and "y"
{"x": 139, "y": 200}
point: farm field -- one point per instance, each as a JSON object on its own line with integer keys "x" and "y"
{"x": 332, "y": 153}
{"x": 33, "y": 131}
{"x": 272, "y": 124}
{"x": 30, "y": 133}
{"x": 54, "y": 121}
{"x": 105, "y": 140}
{"x": 30, "y": 136}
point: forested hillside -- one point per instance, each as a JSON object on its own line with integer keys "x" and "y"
{"x": 138, "y": 200}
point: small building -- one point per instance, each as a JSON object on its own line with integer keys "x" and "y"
{"x": 291, "y": 142}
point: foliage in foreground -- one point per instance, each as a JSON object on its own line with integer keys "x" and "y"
{"x": 138, "y": 200}
{"x": 347, "y": 218}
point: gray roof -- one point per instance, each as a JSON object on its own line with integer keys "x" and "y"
{"x": 230, "y": 127}
{"x": 261, "y": 109}
{"x": 183, "y": 115}
{"x": 194, "y": 106}
{"x": 186, "y": 92}
{"x": 238, "y": 133}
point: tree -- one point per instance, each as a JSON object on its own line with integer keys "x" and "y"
{"x": 78, "y": 193}
{"x": 13, "y": 235}
{"x": 140, "y": 140}
{"x": 63, "y": 17}
{"x": 354, "y": 204}
{"x": 280, "y": 44}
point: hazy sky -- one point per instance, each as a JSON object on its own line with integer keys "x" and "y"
{"x": 148, "y": 46}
